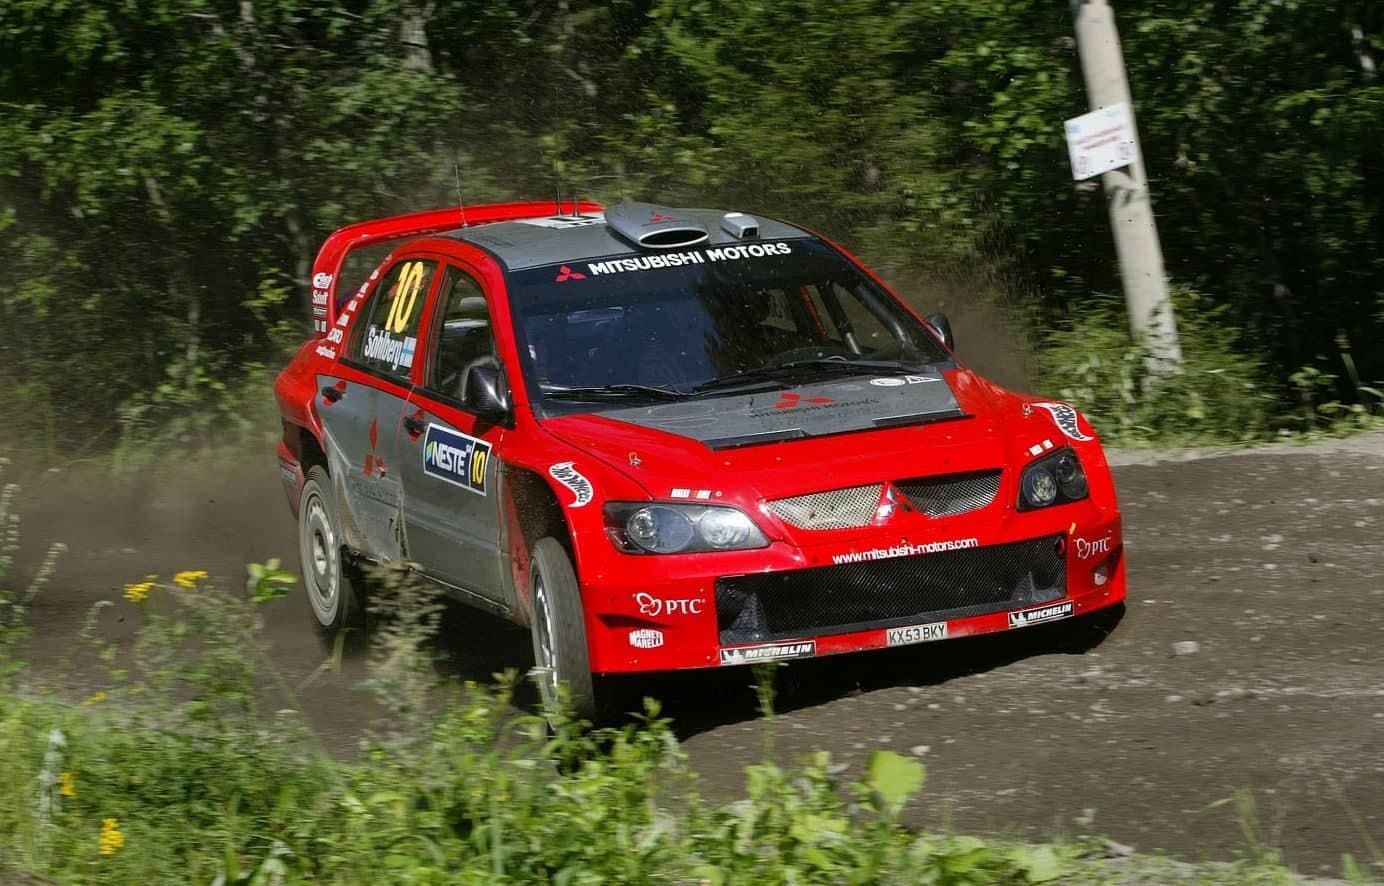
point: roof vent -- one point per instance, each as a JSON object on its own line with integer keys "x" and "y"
{"x": 740, "y": 225}
{"x": 655, "y": 227}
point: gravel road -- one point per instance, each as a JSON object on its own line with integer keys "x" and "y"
{"x": 1247, "y": 662}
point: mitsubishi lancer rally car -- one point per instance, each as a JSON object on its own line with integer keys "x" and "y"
{"x": 673, "y": 438}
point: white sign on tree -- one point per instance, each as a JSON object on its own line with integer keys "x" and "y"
{"x": 1101, "y": 141}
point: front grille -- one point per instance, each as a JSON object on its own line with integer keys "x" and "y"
{"x": 836, "y": 509}
{"x": 888, "y": 592}
{"x": 951, "y": 494}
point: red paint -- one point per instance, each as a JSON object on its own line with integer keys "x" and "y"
{"x": 999, "y": 426}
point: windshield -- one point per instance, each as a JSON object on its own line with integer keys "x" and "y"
{"x": 707, "y": 321}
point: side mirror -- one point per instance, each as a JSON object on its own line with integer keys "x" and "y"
{"x": 942, "y": 326}
{"x": 485, "y": 393}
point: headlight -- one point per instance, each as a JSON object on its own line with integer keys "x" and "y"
{"x": 1053, "y": 479}
{"x": 657, "y": 528}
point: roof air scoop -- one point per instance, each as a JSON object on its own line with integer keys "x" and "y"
{"x": 655, "y": 227}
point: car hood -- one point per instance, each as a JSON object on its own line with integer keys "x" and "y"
{"x": 818, "y": 436}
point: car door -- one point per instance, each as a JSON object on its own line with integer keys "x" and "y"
{"x": 449, "y": 456}
{"x": 363, "y": 405}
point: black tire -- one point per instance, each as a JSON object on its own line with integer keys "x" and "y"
{"x": 558, "y": 627}
{"x": 332, "y": 584}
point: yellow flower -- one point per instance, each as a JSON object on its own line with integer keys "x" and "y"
{"x": 139, "y": 591}
{"x": 188, "y": 578}
{"x": 95, "y": 698}
{"x": 111, "y": 838}
{"x": 66, "y": 785}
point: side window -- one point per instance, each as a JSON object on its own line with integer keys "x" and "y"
{"x": 388, "y": 338}
{"x": 464, "y": 335}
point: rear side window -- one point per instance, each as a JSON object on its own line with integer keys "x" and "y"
{"x": 464, "y": 335}
{"x": 387, "y": 340}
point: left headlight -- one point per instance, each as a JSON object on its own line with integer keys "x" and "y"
{"x": 1054, "y": 479}
{"x": 663, "y": 528}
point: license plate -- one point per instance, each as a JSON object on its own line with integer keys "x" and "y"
{"x": 916, "y": 634}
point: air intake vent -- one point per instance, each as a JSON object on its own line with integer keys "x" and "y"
{"x": 837, "y": 509}
{"x": 952, "y": 494}
{"x": 740, "y": 225}
{"x": 655, "y": 227}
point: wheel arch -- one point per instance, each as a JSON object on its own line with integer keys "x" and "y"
{"x": 532, "y": 512}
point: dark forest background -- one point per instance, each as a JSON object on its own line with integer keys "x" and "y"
{"x": 169, "y": 167}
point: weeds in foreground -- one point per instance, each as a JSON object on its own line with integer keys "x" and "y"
{"x": 174, "y": 772}
{"x": 14, "y": 604}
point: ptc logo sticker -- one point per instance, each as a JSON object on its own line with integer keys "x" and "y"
{"x": 568, "y": 476}
{"x": 1065, "y": 416}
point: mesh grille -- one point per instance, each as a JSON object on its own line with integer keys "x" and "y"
{"x": 837, "y": 509}
{"x": 884, "y": 593}
{"x": 952, "y": 494}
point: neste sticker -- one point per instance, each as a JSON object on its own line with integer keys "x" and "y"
{"x": 455, "y": 458}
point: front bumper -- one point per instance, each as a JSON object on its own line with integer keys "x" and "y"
{"x": 699, "y": 610}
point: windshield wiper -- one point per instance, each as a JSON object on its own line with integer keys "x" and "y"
{"x": 796, "y": 369}
{"x": 602, "y": 393}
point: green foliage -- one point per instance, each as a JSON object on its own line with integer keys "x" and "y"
{"x": 14, "y": 603}
{"x": 1218, "y": 396}
{"x": 167, "y": 170}
{"x": 266, "y": 581}
{"x": 173, "y": 773}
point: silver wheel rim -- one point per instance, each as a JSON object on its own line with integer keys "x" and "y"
{"x": 544, "y": 643}
{"x": 321, "y": 559}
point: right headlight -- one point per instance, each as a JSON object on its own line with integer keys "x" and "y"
{"x": 665, "y": 528}
{"x": 1051, "y": 480}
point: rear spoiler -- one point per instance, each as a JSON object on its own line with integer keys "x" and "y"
{"x": 330, "y": 258}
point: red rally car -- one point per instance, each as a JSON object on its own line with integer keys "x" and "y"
{"x": 673, "y": 438}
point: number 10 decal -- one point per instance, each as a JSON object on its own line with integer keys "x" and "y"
{"x": 405, "y": 298}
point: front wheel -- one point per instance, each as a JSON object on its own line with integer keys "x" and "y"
{"x": 559, "y": 629}
{"x": 332, "y": 584}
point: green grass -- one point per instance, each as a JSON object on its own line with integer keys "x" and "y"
{"x": 1219, "y": 395}
{"x": 175, "y": 770}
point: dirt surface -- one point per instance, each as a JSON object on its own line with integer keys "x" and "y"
{"x": 1247, "y": 659}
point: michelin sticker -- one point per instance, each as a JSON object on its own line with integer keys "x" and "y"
{"x": 1065, "y": 416}
{"x": 455, "y": 458}
{"x": 1025, "y": 617}
{"x": 568, "y": 476}
{"x": 321, "y": 281}
{"x": 773, "y": 652}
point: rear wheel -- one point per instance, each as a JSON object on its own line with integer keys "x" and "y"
{"x": 559, "y": 628}
{"x": 333, "y": 584}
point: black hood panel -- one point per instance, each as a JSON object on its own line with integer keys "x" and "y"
{"x": 812, "y": 410}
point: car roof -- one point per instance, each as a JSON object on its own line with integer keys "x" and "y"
{"x": 549, "y": 240}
